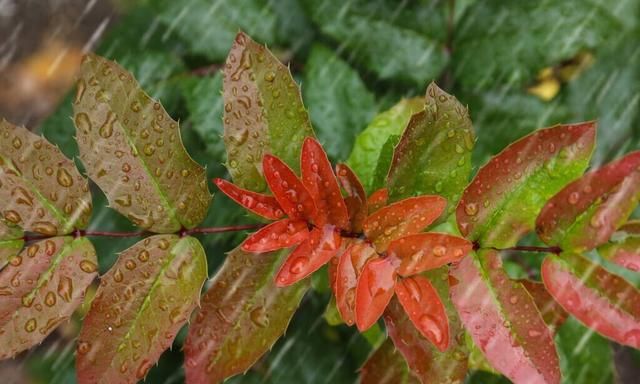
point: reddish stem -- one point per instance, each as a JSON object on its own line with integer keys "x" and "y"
{"x": 231, "y": 228}
{"x": 531, "y": 248}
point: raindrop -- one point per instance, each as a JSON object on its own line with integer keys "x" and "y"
{"x": 30, "y": 325}
{"x": 83, "y": 123}
{"x": 471, "y": 209}
{"x": 298, "y": 265}
{"x": 64, "y": 178}
{"x": 574, "y": 197}
{"x": 106, "y": 130}
{"x": 430, "y": 326}
{"x": 439, "y": 250}
{"x": 259, "y": 317}
{"x": 50, "y": 299}
{"x": 65, "y": 288}
{"x": 17, "y": 143}
{"x": 88, "y": 266}
{"x": 130, "y": 264}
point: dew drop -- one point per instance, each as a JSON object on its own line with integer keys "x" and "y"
{"x": 471, "y": 209}
{"x": 50, "y": 299}
{"x": 83, "y": 123}
{"x": 574, "y": 197}
{"x": 298, "y": 265}
{"x": 30, "y": 325}
{"x": 64, "y": 178}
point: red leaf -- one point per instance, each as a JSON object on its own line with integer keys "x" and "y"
{"x": 373, "y": 291}
{"x": 423, "y": 306}
{"x": 309, "y": 256}
{"x": 424, "y": 251}
{"x": 318, "y": 178}
{"x": 386, "y": 366}
{"x": 601, "y": 300}
{"x": 288, "y": 190}
{"x": 552, "y": 313}
{"x": 503, "y": 320}
{"x": 350, "y": 265}
{"x": 586, "y": 212}
{"x": 625, "y": 253}
{"x": 356, "y": 198}
{"x": 377, "y": 200}
{"x": 281, "y": 234}
{"x": 402, "y": 218}
{"x": 261, "y": 205}
{"x": 505, "y": 196}
{"x": 426, "y": 362}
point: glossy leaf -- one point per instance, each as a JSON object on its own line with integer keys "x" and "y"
{"x": 281, "y": 234}
{"x": 41, "y": 288}
{"x": 425, "y": 251}
{"x": 263, "y": 112}
{"x": 241, "y": 317}
{"x": 386, "y": 366}
{"x": 321, "y": 182}
{"x": 291, "y": 194}
{"x": 369, "y": 143}
{"x": 424, "y": 359}
{"x": 374, "y": 291}
{"x": 349, "y": 268}
{"x": 40, "y": 189}
{"x": 309, "y": 256}
{"x": 422, "y": 304}
{"x": 503, "y": 320}
{"x": 625, "y": 253}
{"x": 340, "y": 105}
{"x": 440, "y": 139}
{"x": 377, "y": 200}
{"x": 11, "y": 242}
{"x": 262, "y": 205}
{"x": 552, "y": 313}
{"x": 356, "y": 199}
{"x": 402, "y": 218}
{"x": 586, "y": 212}
{"x": 601, "y": 300}
{"x": 142, "y": 303}
{"x": 132, "y": 149}
{"x": 507, "y": 193}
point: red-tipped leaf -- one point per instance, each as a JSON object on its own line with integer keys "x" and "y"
{"x": 601, "y": 300}
{"x": 281, "y": 234}
{"x": 423, "y": 306}
{"x": 350, "y": 265}
{"x": 288, "y": 189}
{"x": 506, "y": 195}
{"x": 424, "y": 251}
{"x": 374, "y": 291}
{"x": 377, "y": 200}
{"x": 261, "y": 205}
{"x": 321, "y": 182}
{"x": 356, "y": 198}
{"x": 402, "y": 218}
{"x": 585, "y": 213}
{"x": 503, "y": 320}
{"x": 309, "y": 256}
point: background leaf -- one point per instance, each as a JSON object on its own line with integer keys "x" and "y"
{"x": 241, "y": 316}
{"x": 40, "y": 288}
{"x": 141, "y": 304}
{"x": 114, "y": 116}
{"x": 385, "y": 366}
{"x": 339, "y": 102}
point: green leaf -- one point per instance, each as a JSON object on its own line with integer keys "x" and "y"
{"x": 506, "y": 195}
{"x": 603, "y": 301}
{"x": 41, "y": 190}
{"x": 424, "y": 359}
{"x": 132, "y": 149}
{"x": 624, "y": 251}
{"x": 263, "y": 112}
{"x": 339, "y": 102}
{"x": 41, "y": 288}
{"x": 384, "y": 163}
{"x": 209, "y": 28}
{"x": 585, "y": 356}
{"x": 434, "y": 153}
{"x": 241, "y": 316}
{"x": 507, "y": 43}
{"x": 607, "y": 91}
{"x": 383, "y": 45}
{"x": 503, "y": 320}
{"x": 11, "y": 242}
{"x": 204, "y": 103}
{"x": 142, "y": 302}
{"x": 386, "y": 366}
{"x": 586, "y": 212}
{"x": 370, "y": 142}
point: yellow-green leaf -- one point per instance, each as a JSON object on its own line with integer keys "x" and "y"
{"x": 263, "y": 112}
{"x": 40, "y": 189}
{"x": 40, "y": 288}
{"x": 132, "y": 149}
{"x": 242, "y": 316}
{"x": 141, "y": 304}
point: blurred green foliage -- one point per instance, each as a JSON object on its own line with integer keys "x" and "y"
{"x": 356, "y": 59}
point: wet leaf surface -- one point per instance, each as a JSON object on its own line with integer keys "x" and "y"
{"x": 386, "y": 366}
